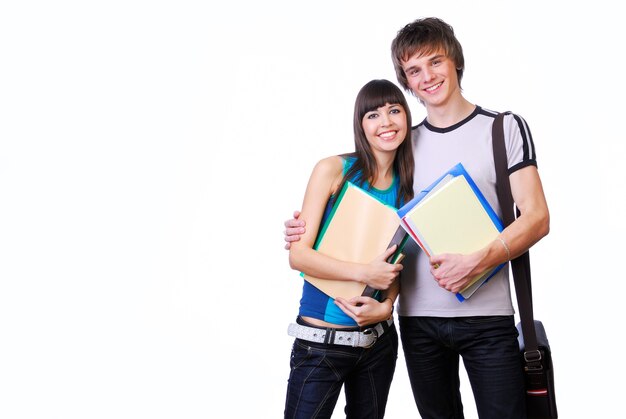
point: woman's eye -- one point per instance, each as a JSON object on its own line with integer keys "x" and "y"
{"x": 372, "y": 116}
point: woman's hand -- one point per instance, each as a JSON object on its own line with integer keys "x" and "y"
{"x": 365, "y": 310}
{"x": 379, "y": 274}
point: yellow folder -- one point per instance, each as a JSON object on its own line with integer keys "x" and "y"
{"x": 359, "y": 228}
{"x": 453, "y": 217}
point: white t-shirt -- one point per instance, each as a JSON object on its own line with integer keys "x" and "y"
{"x": 436, "y": 150}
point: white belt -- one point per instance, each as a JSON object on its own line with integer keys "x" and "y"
{"x": 332, "y": 336}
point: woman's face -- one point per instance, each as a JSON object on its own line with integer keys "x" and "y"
{"x": 386, "y": 127}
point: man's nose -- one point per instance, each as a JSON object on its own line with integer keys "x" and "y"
{"x": 427, "y": 74}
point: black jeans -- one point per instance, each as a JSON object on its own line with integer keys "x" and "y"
{"x": 318, "y": 372}
{"x": 490, "y": 352}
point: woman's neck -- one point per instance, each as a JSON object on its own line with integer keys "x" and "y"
{"x": 384, "y": 170}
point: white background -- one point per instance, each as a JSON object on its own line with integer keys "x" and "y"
{"x": 151, "y": 150}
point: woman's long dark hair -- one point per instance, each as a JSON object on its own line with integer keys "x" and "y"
{"x": 372, "y": 96}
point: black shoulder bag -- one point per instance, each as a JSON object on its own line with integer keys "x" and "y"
{"x": 535, "y": 351}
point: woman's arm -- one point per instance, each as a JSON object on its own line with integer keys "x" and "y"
{"x": 323, "y": 182}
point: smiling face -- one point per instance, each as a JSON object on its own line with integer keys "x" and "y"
{"x": 385, "y": 127}
{"x": 432, "y": 78}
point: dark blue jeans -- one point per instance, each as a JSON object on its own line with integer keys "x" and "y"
{"x": 490, "y": 352}
{"x": 318, "y": 372}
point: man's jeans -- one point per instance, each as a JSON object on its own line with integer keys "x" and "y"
{"x": 490, "y": 352}
{"x": 318, "y": 371}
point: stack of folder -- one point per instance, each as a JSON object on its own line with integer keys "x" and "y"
{"x": 452, "y": 216}
{"x": 358, "y": 229}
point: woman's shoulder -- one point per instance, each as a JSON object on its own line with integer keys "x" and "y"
{"x": 328, "y": 172}
{"x": 330, "y": 165}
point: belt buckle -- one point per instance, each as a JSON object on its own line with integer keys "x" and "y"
{"x": 371, "y": 331}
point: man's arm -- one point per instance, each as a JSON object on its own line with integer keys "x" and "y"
{"x": 453, "y": 271}
{"x": 534, "y": 221}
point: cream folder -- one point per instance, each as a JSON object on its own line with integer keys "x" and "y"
{"x": 359, "y": 229}
{"x": 452, "y": 220}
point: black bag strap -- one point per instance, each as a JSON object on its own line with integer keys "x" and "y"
{"x": 520, "y": 265}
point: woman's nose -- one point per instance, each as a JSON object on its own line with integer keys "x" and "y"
{"x": 385, "y": 121}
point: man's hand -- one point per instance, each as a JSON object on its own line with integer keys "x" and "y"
{"x": 453, "y": 271}
{"x": 293, "y": 229}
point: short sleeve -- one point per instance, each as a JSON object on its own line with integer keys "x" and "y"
{"x": 520, "y": 147}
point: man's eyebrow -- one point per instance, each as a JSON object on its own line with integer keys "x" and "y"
{"x": 431, "y": 59}
{"x": 437, "y": 57}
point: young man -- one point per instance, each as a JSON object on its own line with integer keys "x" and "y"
{"x": 435, "y": 327}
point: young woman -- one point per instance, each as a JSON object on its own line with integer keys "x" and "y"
{"x": 321, "y": 361}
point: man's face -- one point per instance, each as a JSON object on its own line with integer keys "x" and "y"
{"x": 432, "y": 78}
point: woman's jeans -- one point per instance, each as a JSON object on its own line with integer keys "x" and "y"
{"x": 318, "y": 372}
{"x": 490, "y": 352}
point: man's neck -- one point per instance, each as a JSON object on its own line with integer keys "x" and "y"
{"x": 452, "y": 112}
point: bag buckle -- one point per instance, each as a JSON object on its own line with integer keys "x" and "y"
{"x": 533, "y": 361}
{"x": 532, "y": 356}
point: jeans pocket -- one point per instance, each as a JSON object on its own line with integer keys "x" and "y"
{"x": 300, "y": 353}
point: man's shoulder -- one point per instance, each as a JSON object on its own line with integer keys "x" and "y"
{"x": 508, "y": 115}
